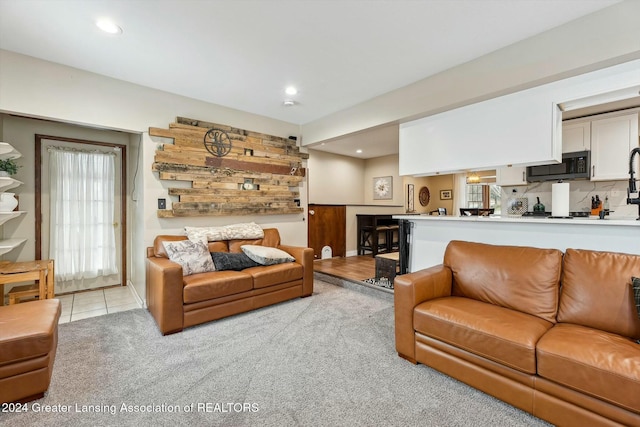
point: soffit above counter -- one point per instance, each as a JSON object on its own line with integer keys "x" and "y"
{"x": 520, "y": 129}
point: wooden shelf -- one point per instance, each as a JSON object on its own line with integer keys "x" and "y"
{"x": 8, "y": 245}
{"x": 8, "y": 152}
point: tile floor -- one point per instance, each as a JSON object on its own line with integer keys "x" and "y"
{"x": 96, "y": 303}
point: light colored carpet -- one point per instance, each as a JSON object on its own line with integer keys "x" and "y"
{"x": 327, "y": 360}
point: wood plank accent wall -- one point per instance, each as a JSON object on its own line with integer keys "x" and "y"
{"x": 271, "y": 163}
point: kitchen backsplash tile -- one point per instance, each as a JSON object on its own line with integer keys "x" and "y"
{"x": 579, "y": 196}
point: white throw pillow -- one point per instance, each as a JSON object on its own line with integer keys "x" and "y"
{"x": 194, "y": 257}
{"x": 266, "y": 255}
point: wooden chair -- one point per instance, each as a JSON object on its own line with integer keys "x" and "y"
{"x": 40, "y": 271}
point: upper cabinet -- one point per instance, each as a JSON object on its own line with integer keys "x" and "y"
{"x": 612, "y": 139}
{"x": 576, "y": 136}
{"x": 513, "y": 175}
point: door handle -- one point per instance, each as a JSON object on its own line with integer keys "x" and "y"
{"x": 312, "y": 212}
{"x": 115, "y": 225}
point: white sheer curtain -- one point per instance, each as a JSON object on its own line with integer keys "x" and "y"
{"x": 459, "y": 192}
{"x": 82, "y": 236}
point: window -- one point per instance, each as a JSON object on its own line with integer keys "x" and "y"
{"x": 484, "y": 196}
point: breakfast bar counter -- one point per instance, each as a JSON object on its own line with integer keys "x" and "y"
{"x": 429, "y": 235}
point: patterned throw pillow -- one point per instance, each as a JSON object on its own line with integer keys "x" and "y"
{"x": 636, "y": 292}
{"x": 192, "y": 256}
{"x": 249, "y": 230}
{"x": 266, "y": 255}
{"x": 232, "y": 261}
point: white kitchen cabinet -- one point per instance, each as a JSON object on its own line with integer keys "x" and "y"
{"x": 576, "y": 136}
{"x": 511, "y": 176}
{"x": 612, "y": 139}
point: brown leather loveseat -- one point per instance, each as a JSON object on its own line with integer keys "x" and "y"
{"x": 178, "y": 301}
{"x": 553, "y": 334}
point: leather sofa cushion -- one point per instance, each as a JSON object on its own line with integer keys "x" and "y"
{"x": 270, "y": 275}
{"x": 521, "y": 278}
{"x": 216, "y": 284}
{"x": 598, "y": 363}
{"x": 28, "y": 330}
{"x": 596, "y": 291}
{"x": 500, "y": 334}
{"x": 271, "y": 238}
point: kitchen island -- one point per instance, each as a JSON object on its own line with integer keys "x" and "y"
{"x": 430, "y": 235}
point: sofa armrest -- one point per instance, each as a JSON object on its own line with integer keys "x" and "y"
{"x": 410, "y": 290}
{"x": 304, "y": 257}
{"x": 164, "y": 294}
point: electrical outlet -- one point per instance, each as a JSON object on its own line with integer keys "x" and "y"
{"x": 162, "y": 203}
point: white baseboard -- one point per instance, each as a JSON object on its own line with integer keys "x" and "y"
{"x": 352, "y": 253}
{"x": 132, "y": 288}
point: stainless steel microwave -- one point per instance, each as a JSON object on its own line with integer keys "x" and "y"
{"x": 575, "y": 165}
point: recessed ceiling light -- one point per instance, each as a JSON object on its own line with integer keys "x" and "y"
{"x": 358, "y": 151}
{"x": 288, "y": 103}
{"x": 108, "y": 26}
{"x": 291, "y": 90}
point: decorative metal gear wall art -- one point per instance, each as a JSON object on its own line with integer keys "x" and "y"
{"x": 217, "y": 142}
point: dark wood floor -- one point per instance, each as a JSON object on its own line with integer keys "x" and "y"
{"x": 359, "y": 267}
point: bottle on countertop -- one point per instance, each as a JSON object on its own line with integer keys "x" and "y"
{"x": 606, "y": 203}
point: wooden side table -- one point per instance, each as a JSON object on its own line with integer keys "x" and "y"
{"x": 40, "y": 271}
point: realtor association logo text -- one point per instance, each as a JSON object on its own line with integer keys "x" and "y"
{"x": 206, "y": 407}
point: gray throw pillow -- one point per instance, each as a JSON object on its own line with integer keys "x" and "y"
{"x": 266, "y": 255}
{"x": 232, "y": 261}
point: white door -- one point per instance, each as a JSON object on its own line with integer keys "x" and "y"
{"x": 73, "y": 275}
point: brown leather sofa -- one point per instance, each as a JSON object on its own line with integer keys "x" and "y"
{"x": 28, "y": 344}
{"x": 553, "y": 334}
{"x": 178, "y": 301}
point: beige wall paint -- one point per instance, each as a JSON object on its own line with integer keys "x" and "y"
{"x": 435, "y": 184}
{"x": 335, "y": 179}
{"x": 381, "y": 167}
{"x": 20, "y": 132}
{"x": 41, "y": 89}
{"x": 341, "y": 180}
{"x": 607, "y": 37}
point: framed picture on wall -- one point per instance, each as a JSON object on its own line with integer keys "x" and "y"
{"x": 445, "y": 194}
{"x": 383, "y": 188}
{"x": 410, "y": 198}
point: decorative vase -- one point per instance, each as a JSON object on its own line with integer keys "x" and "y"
{"x": 8, "y": 202}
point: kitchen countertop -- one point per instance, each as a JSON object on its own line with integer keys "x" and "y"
{"x": 430, "y": 235}
{"x": 591, "y": 220}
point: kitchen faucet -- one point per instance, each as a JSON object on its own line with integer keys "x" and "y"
{"x": 633, "y": 197}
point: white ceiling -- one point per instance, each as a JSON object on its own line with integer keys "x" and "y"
{"x": 243, "y": 53}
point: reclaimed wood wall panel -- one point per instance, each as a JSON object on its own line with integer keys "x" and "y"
{"x": 274, "y": 166}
